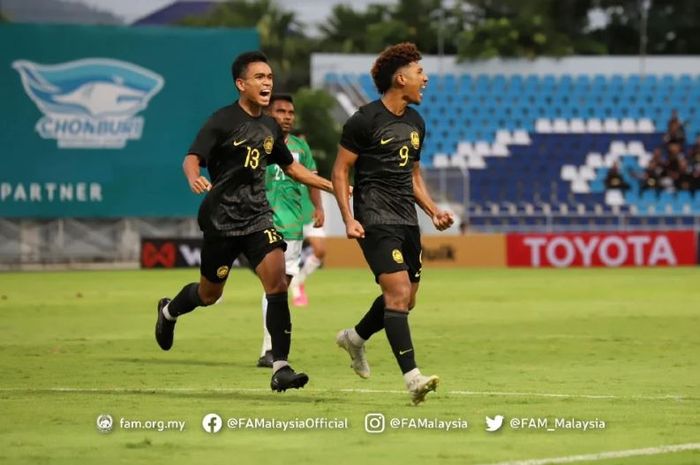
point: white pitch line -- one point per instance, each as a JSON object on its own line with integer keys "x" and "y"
{"x": 579, "y": 396}
{"x": 606, "y": 455}
{"x": 359, "y": 391}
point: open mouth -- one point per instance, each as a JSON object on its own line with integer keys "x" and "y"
{"x": 422, "y": 88}
{"x": 265, "y": 92}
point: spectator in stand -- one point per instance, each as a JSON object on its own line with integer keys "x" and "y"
{"x": 694, "y": 152}
{"x": 683, "y": 178}
{"x": 675, "y": 155}
{"x": 675, "y": 132}
{"x": 654, "y": 173}
{"x": 614, "y": 179}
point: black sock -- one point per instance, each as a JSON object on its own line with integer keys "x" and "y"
{"x": 186, "y": 301}
{"x": 399, "y": 335}
{"x": 279, "y": 324}
{"x": 373, "y": 321}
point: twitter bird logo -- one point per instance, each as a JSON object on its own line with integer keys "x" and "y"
{"x": 494, "y": 424}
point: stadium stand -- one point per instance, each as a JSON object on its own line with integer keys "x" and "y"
{"x": 538, "y": 146}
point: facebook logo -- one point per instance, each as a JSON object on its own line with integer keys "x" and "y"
{"x": 212, "y": 423}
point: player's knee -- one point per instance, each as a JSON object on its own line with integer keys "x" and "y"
{"x": 277, "y": 285}
{"x": 320, "y": 252}
{"x": 398, "y": 297}
{"x": 411, "y": 303}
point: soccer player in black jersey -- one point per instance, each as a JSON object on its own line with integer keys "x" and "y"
{"x": 382, "y": 141}
{"x": 236, "y": 144}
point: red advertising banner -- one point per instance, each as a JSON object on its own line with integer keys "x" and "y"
{"x": 648, "y": 248}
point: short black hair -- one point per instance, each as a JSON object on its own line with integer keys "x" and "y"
{"x": 286, "y": 97}
{"x": 243, "y": 60}
{"x": 391, "y": 59}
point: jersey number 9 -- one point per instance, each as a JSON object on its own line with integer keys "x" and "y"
{"x": 403, "y": 153}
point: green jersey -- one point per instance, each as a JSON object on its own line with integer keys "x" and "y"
{"x": 307, "y": 207}
{"x": 285, "y": 194}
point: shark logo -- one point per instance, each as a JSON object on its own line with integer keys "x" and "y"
{"x": 89, "y": 103}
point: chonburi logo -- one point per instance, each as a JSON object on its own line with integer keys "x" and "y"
{"x": 89, "y": 103}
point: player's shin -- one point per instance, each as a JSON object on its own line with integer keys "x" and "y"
{"x": 399, "y": 335}
{"x": 373, "y": 321}
{"x": 279, "y": 324}
{"x": 187, "y": 300}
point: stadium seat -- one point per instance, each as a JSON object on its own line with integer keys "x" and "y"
{"x": 594, "y": 125}
{"x": 543, "y": 125}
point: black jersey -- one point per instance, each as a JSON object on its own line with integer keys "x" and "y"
{"x": 387, "y": 147}
{"x": 236, "y": 148}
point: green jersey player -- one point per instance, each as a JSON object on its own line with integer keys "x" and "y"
{"x": 285, "y": 197}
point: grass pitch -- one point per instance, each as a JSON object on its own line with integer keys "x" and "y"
{"x": 620, "y": 346}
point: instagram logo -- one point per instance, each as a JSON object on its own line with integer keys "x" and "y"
{"x": 374, "y": 423}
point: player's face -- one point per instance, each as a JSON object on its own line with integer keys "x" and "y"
{"x": 256, "y": 83}
{"x": 415, "y": 81}
{"x": 283, "y": 112}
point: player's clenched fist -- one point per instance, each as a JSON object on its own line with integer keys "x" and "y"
{"x": 443, "y": 220}
{"x": 200, "y": 184}
{"x": 354, "y": 230}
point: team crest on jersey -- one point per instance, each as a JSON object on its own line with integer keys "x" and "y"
{"x": 415, "y": 140}
{"x": 267, "y": 145}
{"x": 397, "y": 256}
{"x": 222, "y": 272}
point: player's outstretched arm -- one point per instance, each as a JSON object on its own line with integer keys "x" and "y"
{"x": 341, "y": 169}
{"x": 441, "y": 219}
{"x": 301, "y": 174}
{"x": 197, "y": 182}
{"x": 319, "y": 216}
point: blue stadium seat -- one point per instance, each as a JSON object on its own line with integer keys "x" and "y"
{"x": 489, "y": 107}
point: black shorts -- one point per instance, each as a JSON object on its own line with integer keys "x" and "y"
{"x": 389, "y": 248}
{"x": 218, "y": 253}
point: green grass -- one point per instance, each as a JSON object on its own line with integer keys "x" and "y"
{"x": 627, "y": 333}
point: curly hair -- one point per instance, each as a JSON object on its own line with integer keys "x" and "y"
{"x": 391, "y": 59}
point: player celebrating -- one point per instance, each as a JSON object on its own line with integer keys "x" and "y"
{"x": 285, "y": 197}
{"x": 236, "y": 144}
{"x": 382, "y": 141}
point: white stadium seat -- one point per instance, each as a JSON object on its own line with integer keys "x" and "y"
{"x": 568, "y": 172}
{"x": 465, "y": 148}
{"x": 614, "y": 197}
{"x": 560, "y": 126}
{"x": 586, "y": 173}
{"x": 594, "y": 125}
{"x": 503, "y": 136}
{"x": 543, "y": 125}
{"x": 579, "y": 186}
{"x": 611, "y": 126}
{"x": 618, "y": 147}
{"x": 645, "y": 125}
{"x": 521, "y": 137}
{"x": 441, "y": 160}
{"x": 635, "y": 147}
{"x": 577, "y": 126}
{"x": 594, "y": 160}
{"x": 475, "y": 161}
{"x": 628, "y": 125}
{"x": 499, "y": 150}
